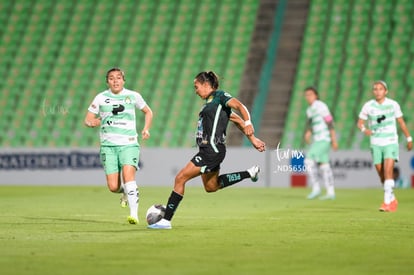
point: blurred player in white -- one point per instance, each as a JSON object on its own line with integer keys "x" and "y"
{"x": 382, "y": 114}
{"x": 321, "y": 135}
{"x": 114, "y": 111}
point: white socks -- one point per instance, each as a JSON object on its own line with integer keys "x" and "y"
{"x": 388, "y": 191}
{"x": 328, "y": 179}
{"x": 312, "y": 170}
{"x": 133, "y": 198}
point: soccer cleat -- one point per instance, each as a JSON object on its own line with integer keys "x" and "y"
{"x": 327, "y": 197}
{"x": 313, "y": 195}
{"x": 254, "y": 173}
{"x": 384, "y": 207}
{"x": 132, "y": 220}
{"x": 124, "y": 200}
{"x": 391, "y": 207}
{"x": 162, "y": 224}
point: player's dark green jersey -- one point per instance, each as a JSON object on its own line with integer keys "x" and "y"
{"x": 212, "y": 121}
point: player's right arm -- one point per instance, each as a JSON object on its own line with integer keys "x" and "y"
{"x": 91, "y": 120}
{"x": 362, "y": 128}
{"x": 362, "y": 118}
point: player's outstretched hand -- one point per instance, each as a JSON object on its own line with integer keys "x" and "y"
{"x": 258, "y": 144}
{"x": 145, "y": 134}
{"x": 334, "y": 145}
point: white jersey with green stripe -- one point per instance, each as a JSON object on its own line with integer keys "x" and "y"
{"x": 317, "y": 114}
{"x": 382, "y": 121}
{"x": 117, "y": 113}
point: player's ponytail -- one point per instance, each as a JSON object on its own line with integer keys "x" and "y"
{"x": 209, "y": 77}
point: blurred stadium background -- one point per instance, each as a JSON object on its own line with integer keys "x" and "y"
{"x": 54, "y": 55}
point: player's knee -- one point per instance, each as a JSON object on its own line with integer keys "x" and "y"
{"x": 179, "y": 178}
{"x": 309, "y": 162}
{"x": 113, "y": 188}
{"x": 211, "y": 189}
{"x": 325, "y": 166}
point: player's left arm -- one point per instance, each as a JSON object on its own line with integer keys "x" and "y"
{"x": 256, "y": 142}
{"x": 237, "y": 120}
{"x": 404, "y": 129}
{"x": 235, "y": 104}
{"x": 148, "y": 121}
{"x": 330, "y": 123}
{"x": 308, "y": 131}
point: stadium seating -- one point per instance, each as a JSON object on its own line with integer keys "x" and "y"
{"x": 54, "y": 56}
{"x": 347, "y": 45}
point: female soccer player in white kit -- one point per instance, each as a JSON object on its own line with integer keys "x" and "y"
{"x": 322, "y": 134}
{"x": 113, "y": 110}
{"x": 382, "y": 114}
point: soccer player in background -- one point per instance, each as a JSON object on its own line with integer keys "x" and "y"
{"x": 321, "y": 136}
{"x": 382, "y": 114}
{"x": 113, "y": 110}
{"x": 211, "y": 136}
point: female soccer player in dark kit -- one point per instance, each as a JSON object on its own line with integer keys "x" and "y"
{"x": 211, "y": 136}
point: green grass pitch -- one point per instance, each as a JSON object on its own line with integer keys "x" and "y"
{"x": 83, "y": 230}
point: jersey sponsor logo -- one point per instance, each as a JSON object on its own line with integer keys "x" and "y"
{"x": 381, "y": 119}
{"x": 117, "y": 109}
{"x": 110, "y": 122}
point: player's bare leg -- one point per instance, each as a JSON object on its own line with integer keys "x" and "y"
{"x": 188, "y": 172}
{"x": 211, "y": 181}
{"x": 113, "y": 182}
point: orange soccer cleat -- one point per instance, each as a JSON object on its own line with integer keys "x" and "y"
{"x": 391, "y": 207}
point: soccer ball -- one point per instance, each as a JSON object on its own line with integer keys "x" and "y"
{"x": 155, "y": 213}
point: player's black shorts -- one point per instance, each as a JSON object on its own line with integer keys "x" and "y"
{"x": 208, "y": 160}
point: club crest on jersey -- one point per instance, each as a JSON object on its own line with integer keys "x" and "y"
{"x": 128, "y": 100}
